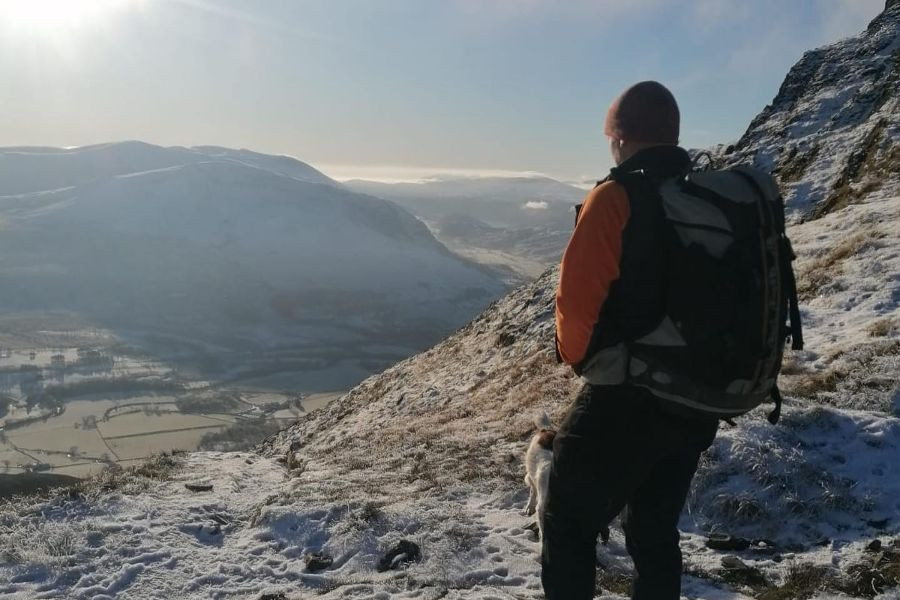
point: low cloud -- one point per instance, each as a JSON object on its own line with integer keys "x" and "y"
{"x": 403, "y": 174}
{"x": 535, "y": 205}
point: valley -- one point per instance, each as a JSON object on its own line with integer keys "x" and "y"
{"x": 84, "y": 401}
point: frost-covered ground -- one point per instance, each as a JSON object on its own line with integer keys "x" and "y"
{"x": 249, "y": 535}
{"x": 430, "y": 451}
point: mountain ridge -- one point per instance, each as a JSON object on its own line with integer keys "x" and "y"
{"x": 831, "y": 133}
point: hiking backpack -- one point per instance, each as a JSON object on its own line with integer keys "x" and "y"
{"x": 730, "y": 290}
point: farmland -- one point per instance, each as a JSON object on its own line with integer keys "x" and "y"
{"x": 73, "y": 402}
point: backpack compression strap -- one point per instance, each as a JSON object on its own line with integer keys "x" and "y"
{"x": 796, "y": 328}
{"x": 776, "y": 412}
{"x": 786, "y": 256}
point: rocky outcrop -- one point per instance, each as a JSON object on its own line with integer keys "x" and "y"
{"x": 832, "y": 133}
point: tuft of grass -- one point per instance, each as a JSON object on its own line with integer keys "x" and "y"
{"x": 133, "y": 480}
{"x": 872, "y": 576}
{"x": 815, "y": 274}
{"x": 883, "y": 327}
{"x": 160, "y": 466}
{"x": 46, "y": 543}
{"x": 370, "y": 512}
{"x": 460, "y": 538}
{"x": 790, "y": 365}
{"x": 614, "y": 582}
{"x": 739, "y": 508}
{"x": 812, "y": 383}
{"x": 744, "y": 577}
{"x": 802, "y": 582}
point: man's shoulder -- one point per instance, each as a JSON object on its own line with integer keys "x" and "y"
{"x": 606, "y": 197}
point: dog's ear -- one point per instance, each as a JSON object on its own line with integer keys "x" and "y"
{"x": 542, "y": 421}
{"x": 545, "y": 438}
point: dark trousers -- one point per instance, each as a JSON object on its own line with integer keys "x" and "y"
{"x": 620, "y": 447}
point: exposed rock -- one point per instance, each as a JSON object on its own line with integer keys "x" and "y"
{"x": 726, "y": 543}
{"x": 317, "y": 561}
{"x": 399, "y": 556}
{"x": 832, "y": 133}
{"x": 199, "y": 487}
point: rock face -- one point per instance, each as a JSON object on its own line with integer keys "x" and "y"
{"x": 832, "y": 134}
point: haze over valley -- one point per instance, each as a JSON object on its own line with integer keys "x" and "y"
{"x": 518, "y": 226}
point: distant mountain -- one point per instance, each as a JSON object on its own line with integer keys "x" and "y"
{"x": 230, "y": 247}
{"x": 37, "y": 169}
{"x": 518, "y": 223}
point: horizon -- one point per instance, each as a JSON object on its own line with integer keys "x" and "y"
{"x": 401, "y": 91}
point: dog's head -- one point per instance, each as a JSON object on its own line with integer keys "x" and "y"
{"x": 545, "y": 437}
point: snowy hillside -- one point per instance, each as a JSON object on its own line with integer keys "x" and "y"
{"x": 410, "y": 486}
{"x": 831, "y": 134}
{"x": 230, "y": 247}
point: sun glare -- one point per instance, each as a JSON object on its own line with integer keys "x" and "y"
{"x": 53, "y": 16}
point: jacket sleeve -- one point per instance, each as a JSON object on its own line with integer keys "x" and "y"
{"x": 589, "y": 266}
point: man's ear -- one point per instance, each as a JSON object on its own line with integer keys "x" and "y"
{"x": 616, "y": 147}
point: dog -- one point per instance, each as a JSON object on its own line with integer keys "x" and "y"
{"x": 538, "y": 461}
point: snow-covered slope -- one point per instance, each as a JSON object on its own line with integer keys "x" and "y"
{"x": 832, "y": 134}
{"x": 431, "y": 450}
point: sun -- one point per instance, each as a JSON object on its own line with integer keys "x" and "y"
{"x": 53, "y": 16}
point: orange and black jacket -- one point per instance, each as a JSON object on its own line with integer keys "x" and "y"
{"x": 612, "y": 278}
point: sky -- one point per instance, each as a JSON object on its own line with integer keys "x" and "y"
{"x": 397, "y": 89}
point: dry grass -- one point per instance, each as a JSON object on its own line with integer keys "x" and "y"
{"x": 849, "y": 368}
{"x": 49, "y": 543}
{"x": 809, "y": 384}
{"x": 614, "y": 582}
{"x": 133, "y": 480}
{"x": 885, "y": 327}
{"x": 875, "y": 574}
{"x": 790, "y": 365}
{"x": 815, "y": 274}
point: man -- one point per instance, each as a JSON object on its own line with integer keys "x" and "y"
{"x": 620, "y": 447}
